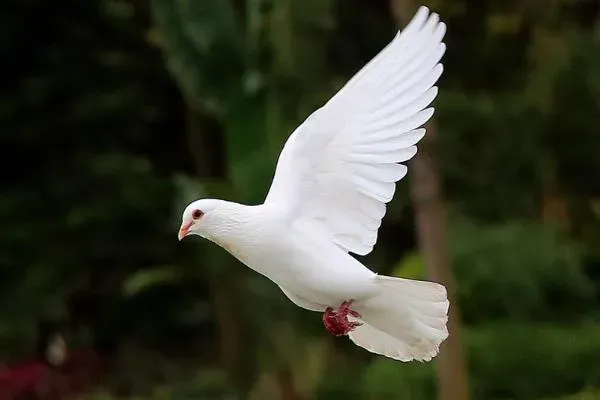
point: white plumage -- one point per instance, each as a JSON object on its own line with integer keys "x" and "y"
{"x": 333, "y": 179}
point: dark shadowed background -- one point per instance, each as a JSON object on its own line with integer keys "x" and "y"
{"x": 114, "y": 114}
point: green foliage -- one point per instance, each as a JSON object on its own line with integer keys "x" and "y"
{"x": 526, "y": 361}
{"x": 518, "y": 270}
{"x": 205, "y": 384}
{"x": 571, "y": 136}
{"x": 146, "y": 278}
{"x": 585, "y": 395}
{"x": 383, "y": 378}
{"x": 506, "y": 361}
{"x": 412, "y": 266}
{"x": 204, "y": 49}
{"x": 485, "y": 148}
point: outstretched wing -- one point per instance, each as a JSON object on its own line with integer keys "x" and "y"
{"x": 340, "y": 167}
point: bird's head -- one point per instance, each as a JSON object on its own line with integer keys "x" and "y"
{"x": 203, "y": 218}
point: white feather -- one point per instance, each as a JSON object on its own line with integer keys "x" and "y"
{"x": 406, "y": 321}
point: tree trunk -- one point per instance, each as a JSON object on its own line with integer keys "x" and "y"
{"x": 431, "y": 230}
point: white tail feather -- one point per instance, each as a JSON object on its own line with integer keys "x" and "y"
{"x": 406, "y": 321}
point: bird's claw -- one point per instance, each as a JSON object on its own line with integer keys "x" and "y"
{"x": 336, "y": 321}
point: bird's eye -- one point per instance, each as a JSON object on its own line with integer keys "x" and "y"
{"x": 197, "y": 214}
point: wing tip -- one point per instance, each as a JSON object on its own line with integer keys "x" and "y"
{"x": 422, "y": 10}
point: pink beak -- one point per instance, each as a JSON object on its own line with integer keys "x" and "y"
{"x": 184, "y": 230}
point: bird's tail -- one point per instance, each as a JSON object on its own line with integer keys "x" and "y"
{"x": 406, "y": 321}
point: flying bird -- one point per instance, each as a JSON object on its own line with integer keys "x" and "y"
{"x": 334, "y": 177}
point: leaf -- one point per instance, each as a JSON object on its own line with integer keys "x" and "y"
{"x": 595, "y": 206}
{"x": 204, "y": 49}
{"x": 504, "y": 23}
{"x": 411, "y": 266}
{"x": 147, "y": 278}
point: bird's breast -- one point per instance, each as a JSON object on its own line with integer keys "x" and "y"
{"x": 306, "y": 264}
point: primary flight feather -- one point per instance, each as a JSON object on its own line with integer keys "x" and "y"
{"x": 333, "y": 179}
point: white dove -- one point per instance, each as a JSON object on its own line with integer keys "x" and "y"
{"x": 333, "y": 179}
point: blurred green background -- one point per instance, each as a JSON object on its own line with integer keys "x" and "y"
{"x": 116, "y": 113}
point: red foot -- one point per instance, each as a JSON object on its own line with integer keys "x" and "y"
{"x": 336, "y": 321}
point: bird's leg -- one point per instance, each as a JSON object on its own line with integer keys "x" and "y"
{"x": 336, "y": 320}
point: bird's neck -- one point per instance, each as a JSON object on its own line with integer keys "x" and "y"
{"x": 236, "y": 224}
